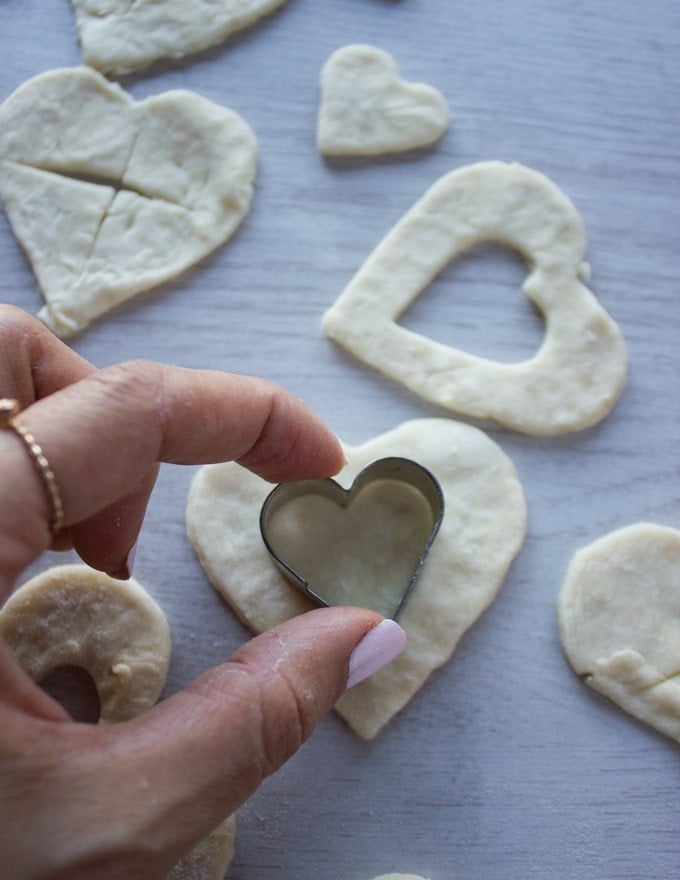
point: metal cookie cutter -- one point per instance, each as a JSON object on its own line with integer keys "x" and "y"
{"x": 402, "y": 470}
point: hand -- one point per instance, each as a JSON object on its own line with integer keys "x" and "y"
{"x": 127, "y": 801}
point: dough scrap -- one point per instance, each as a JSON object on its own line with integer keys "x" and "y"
{"x": 482, "y": 530}
{"x": 119, "y": 36}
{"x": 399, "y": 877}
{"x": 366, "y": 109}
{"x": 109, "y": 196}
{"x": 209, "y": 859}
{"x": 71, "y": 615}
{"x": 579, "y": 370}
{"x": 619, "y": 620}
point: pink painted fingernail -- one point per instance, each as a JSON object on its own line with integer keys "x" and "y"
{"x": 124, "y": 573}
{"x": 378, "y": 647}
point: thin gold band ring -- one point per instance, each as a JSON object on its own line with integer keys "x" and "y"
{"x": 9, "y": 410}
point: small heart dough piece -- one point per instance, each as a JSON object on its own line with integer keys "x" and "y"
{"x": 366, "y": 109}
{"x": 482, "y": 531}
{"x": 619, "y": 619}
{"x": 71, "y": 615}
{"x": 117, "y": 36}
{"x": 579, "y": 371}
{"x": 109, "y": 196}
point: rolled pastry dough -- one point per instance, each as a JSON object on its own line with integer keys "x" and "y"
{"x": 619, "y": 619}
{"x": 109, "y": 196}
{"x": 579, "y": 371}
{"x": 481, "y": 532}
{"x": 118, "y": 36}
{"x": 366, "y": 108}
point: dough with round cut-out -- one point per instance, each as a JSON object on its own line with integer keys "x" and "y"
{"x": 74, "y": 616}
{"x": 109, "y": 196}
{"x": 481, "y": 532}
{"x": 366, "y": 109}
{"x": 118, "y": 36}
{"x": 71, "y": 615}
{"x": 575, "y": 377}
{"x": 619, "y": 619}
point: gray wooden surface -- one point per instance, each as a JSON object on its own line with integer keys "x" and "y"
{"x": 504, "y": 765}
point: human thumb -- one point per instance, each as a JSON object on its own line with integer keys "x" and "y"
{"x": 200, "y": 754}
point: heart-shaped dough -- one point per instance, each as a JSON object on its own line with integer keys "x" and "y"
{"x": 579, "y": 371}
{"x": 109, "y": 196}
{"x": 482, "y": 530}
{"x": 619, "y": 618}
{"x": 117, "y": 36}
{"x": 366, "y": 109}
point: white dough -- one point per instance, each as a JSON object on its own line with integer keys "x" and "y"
{"x": 619, "y": 618}
{"x": 482, "y": 530}
{"x": 578, "y": 372}
{"x": 71, "y": 615}
{"x": 118, "y": 36}
{"x": 366, "y": 108}
{"x": 399, "y": 877}
{"x": 109, "y": 196}
{"x": 210, "y": 858}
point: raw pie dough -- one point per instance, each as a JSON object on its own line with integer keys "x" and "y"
{"x": 399, "y": 877}
{"x": 366, "y": 109}
{"x": 118, "y": 36}
{"x": 619, "y": 618}
{"x": 482, "y": 531}
{"x": 579, "y": 371}
{"x": 110, "y": 196}
{"x": 71, "y": 615}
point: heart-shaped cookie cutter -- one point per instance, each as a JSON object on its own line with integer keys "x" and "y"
{"x": 401, "y": 470}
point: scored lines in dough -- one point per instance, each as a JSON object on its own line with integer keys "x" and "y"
{"x": 110, "y": 197}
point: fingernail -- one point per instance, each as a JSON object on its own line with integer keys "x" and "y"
{"x": 124, "y": 573}
{"x": 378, "y": 647}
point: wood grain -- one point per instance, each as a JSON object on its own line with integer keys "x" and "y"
{"x": 504, "y": 765}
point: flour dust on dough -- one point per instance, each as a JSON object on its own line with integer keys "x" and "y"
{"x": 119, "y": 36}
{"x": 482, "y": 531}
{"x": 619, "y": 620}
{"x": 578, "y": 372}
{"x": 72, "y": 615}
{"x": 110, "y": 196}
{"x": 366, "y": 109}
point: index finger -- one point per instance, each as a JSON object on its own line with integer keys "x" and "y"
{"x": 102, "y": 434}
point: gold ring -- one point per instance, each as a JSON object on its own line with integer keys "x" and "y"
{"x": 9, "y": 409}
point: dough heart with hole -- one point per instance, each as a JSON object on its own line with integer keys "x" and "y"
{"x": 619, "y": 617}
{"x": 109, "y": 196}
{"x": 481, "y": 532}
{"x": 366, "y": 109}
{"x": 117, "y": 36}
{"x": 579, "y": 371}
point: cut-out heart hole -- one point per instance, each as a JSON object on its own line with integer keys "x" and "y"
{"x": 360, "y": 546}
{"x": 476, "y": 303}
